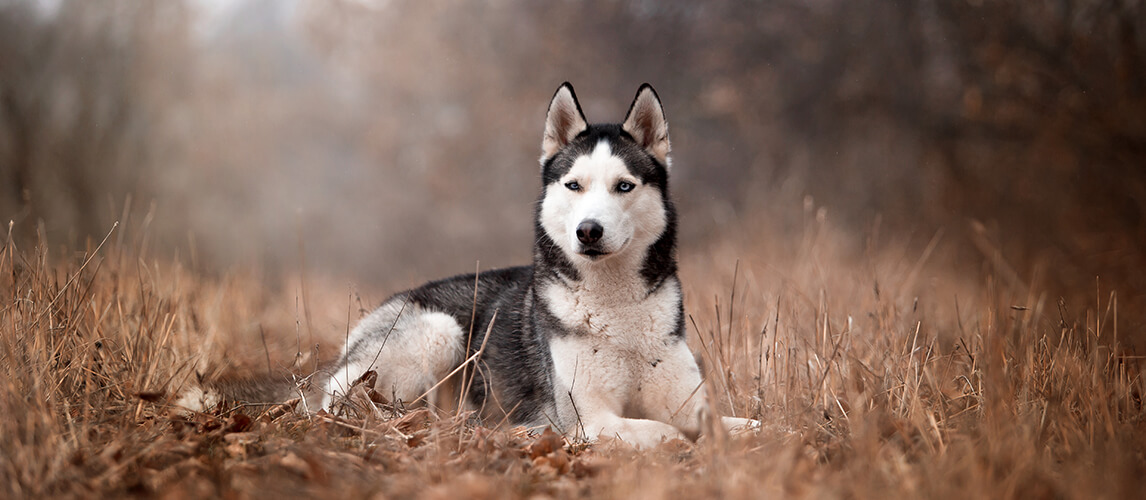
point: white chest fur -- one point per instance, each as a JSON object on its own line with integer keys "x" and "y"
{"x": 622, "y": 314}
{"x": 610, "y": 362}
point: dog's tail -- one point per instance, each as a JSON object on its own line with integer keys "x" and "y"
{"x": 202, "y": 395}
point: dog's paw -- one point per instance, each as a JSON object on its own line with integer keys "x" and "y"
{"x": 196, "y": 398}
{"x": 740, "y": 426}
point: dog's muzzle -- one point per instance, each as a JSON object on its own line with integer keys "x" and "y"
{"x": 589, "y": 233}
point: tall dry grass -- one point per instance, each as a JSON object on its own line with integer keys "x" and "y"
{"x": 878, "y": 370}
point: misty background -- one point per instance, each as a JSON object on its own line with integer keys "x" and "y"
{"x": 395, "y": 141}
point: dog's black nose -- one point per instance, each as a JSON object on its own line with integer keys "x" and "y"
{"x": 589, "y": 231}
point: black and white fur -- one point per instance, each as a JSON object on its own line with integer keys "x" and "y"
{"x": 590, "y": 339}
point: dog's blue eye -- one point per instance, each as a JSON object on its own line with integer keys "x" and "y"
{"x": 625, "y": 186}
{"x": 573, "y": 186}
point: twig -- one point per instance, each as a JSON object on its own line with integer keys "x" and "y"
{"x": 464, "y": 363}
{"x": 73, "y": 278}
{"x": 470, "y": 335}
{"x": 576, "y": 412}
{"x": 266, "y": 350}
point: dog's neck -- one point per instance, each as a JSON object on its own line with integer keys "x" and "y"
{"x": 629, "y": 277}
{"x": 611, "y": 298}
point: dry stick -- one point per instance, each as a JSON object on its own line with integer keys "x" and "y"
{"x": 470, "y": 335}
{"x": 298, "y": 387}
{"x": 732, "y": 300}
{"x": 576, "y": 412}
{"x": 507, "y": 414}
{"x": 827, "y": 368}
{"x": 266, "y": 350}
{"x": 314, "y": 356}
{"x": 823, "y": 340}
{"x": 346, "y": 342}
{"x": 496, "y": 401}
{"x": 343, "y": 423}
{"x": 702, "y": 344}
{"x": 914, "y": 273}
{"x": 467, "y": 384}
{"x": 1110, "y": 304}
{"x": 1097, "y": 308}
{"x": 73, "y": 278}
{"x": 385, "y": 339}
{"x": 80, "y": 300}
{"x": 995, "y": 256}
{"x": 760, "y": 363}
{"x": 1114, "y": 345}
{"x": 125, "y": 216}
{"x": 686, "y": 400}
{"x": 166, "y": 324}
{"x": 718, "y": 337}
{"x": 142, "y": 325}
{"x": 9, "y": 250}
{"x": 302, "y": 285}
{"x": 8, "y": 244}
{"x": 464, "y": 363}
{"x": 910, "y": 354}
{"x": 143, "y": 242}
{"x": 827, "y": 341}
{"x": 776, "y": 345}
{"x": 731, "y": 308}
{"x": 297, "y": 337}
{"x": 376, "y": 355}
{"x": 723, "y": 382}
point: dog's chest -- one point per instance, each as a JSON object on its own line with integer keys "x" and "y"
{"x": 623, "y": 317}
{"x": 611, "y": 337}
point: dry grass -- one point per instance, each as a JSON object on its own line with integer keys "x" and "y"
{"x": 877, "y": 374}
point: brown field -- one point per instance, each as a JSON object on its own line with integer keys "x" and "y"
{"x": 879, "y": 373}
{"x": 968, "y": 321}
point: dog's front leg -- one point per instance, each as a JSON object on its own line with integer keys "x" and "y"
{"x": 596, "y": 414}
{"x": 592, "y": 386}
{"x": 736, "y": 425}
{"x": 672, "y": 389}
{"x": 674, "y": 392}
{"x": 639, "y": 432}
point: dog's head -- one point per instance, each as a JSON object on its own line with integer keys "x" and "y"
{"x": 605, "y": 185}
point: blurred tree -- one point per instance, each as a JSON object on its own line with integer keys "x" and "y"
{"x": 80, "y": 87}
{"x": 1027, "y": 116}
{"x": 358, "y": 124}
{"x": 1049, "y": 134}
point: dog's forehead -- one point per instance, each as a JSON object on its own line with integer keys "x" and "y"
{"x": 600, "y": 164}
{"x": 597, "y": 141}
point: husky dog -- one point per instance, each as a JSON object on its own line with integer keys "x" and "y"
{"x": 590, "y": 339}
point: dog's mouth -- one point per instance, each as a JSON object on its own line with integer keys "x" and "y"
{"x": 593, "y": 253}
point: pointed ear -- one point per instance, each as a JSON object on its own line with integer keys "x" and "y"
{"x": 646, "y": 123}
{"x": 562, "y": 123}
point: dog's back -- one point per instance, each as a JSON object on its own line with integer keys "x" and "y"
{"x": 418, "y": 337}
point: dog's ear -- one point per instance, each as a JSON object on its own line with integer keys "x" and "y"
{"x": 562, "y": 123}
{"x": 646, "y": 123}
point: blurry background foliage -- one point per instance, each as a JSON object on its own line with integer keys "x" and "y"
{"x": 393, "y": 141}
